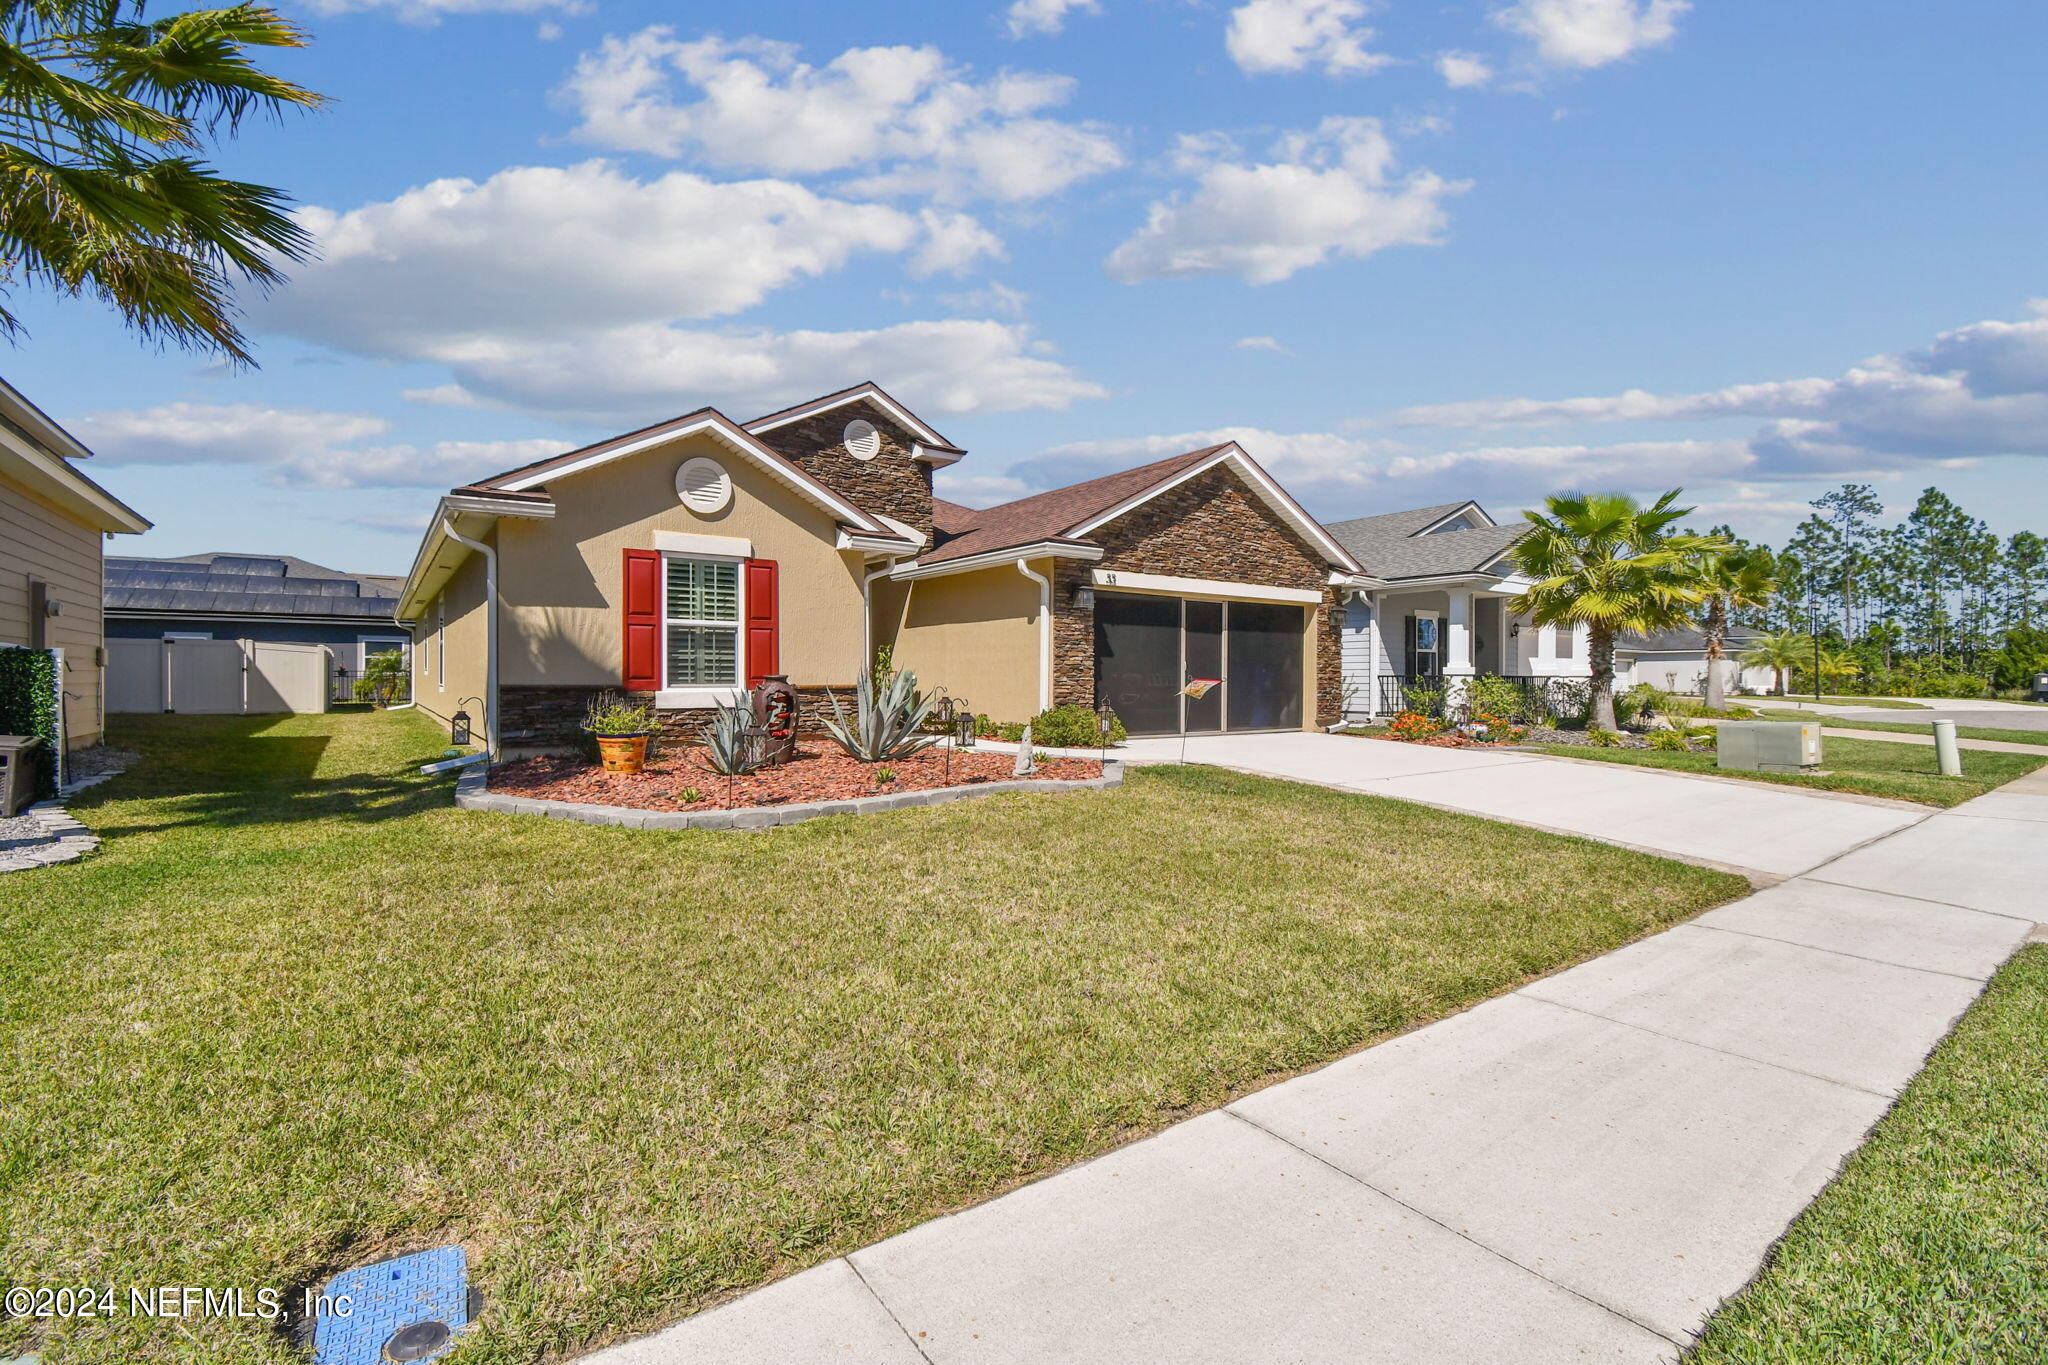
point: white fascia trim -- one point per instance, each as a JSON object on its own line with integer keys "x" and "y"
{"x": 66, "y": 486}
{"x": 247, "y": 618}
{"x": 1275, "y": 496}
{"x": 865, "y": 393}
{"x": 734, "y": 437}
{"x": 498, "y": 507}
{"x": 1118, "y": 580}
{"x": 874, "y": 545}
{"x": 1441, "y": 580}
{"x": 935, "y": 458}
{"x": 688, "y": 543}
{"x": 1458, "y": 511}
{"x": 1361, "y": 581}
{"x": 988, "y": 558}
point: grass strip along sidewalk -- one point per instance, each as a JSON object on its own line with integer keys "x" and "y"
{"x": 1907, "y": 728}
{"x": 1866, "y": 767}
{"x": 1931, "y": 1247}
{"x": 300, "y": 1013}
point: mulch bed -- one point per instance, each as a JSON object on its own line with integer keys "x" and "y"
{"x": 815, "y": 774}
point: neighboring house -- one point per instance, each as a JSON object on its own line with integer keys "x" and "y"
{"x": 51, "y": 520}
{"x": 268, "y": 598}
{"x": 1676, "y": 661}
{"x": 1438, "y": 613}
{"x": 684, "y": 562}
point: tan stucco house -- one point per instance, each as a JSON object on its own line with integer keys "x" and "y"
{"x": 52, "y": 522}
{"x": 685, "y": 561}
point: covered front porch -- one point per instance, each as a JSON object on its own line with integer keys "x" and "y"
{"x": 1422, "y": 637}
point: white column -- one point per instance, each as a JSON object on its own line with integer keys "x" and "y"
{"x": 1457, "y": 644}
{"x": 1369, "y": 603}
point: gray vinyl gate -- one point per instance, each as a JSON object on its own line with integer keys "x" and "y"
{"x": 215, "y": 677}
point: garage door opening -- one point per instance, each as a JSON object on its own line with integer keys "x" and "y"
{"x": 1148, "y": 648}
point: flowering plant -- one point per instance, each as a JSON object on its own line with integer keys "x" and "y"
{"x": 1413, "y": 725}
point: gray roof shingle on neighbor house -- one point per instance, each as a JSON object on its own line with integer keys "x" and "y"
{"x": 242, "y": 584}
{"x": 1685, "y": 640}
{"x": 1392, "y": 545}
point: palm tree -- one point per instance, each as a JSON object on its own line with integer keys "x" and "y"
{"x": 1835, "y": 664}
{"x": 1736, "y": 578}
{"x": 1781, "y": 653}
{"x": 102, "y": 193}
{"x": 1604, "y": 561}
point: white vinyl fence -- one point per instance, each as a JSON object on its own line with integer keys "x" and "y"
{"x": 215, "y": 677}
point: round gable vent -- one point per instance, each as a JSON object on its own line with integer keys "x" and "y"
{"x": 704, "y": 486}
{"x": 863, "y": 442}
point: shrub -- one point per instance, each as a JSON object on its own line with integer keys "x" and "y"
{"x": 28, "y": 706}
{"x": 1669, "y": 741}
{"x": 1602, "y": 739}
{"x": 887, "y": 715}
{"x": 1427, "y": 701}
{"x": 1639, "y": 703}
{"x": 1072, "y": 727}
{"x": 884, "y": 776}
{"x": 1495, "y": 696}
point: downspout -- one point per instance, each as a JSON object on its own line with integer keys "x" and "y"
{"x": 1044, "y": 632}
{"x": 490, "y": 631}
{"x": 867, "y": 611}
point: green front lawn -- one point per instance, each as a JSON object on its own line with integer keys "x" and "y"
{"x": 1931, "y": 1247}
{"x": 1867, "y": 767}
{"x": 301, "y": 1013}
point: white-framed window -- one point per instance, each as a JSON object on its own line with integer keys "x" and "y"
{"x": 188, "y": 635}
{"x": 441, "y": 644}
{"x": 700, "y": 628}
{"x": 1567, "y": 642}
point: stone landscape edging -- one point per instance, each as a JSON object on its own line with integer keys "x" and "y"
{"x": 472, "y": 792}
{"x": 68, "y": 840}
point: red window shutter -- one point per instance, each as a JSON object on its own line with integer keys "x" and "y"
{"x": 764, "y": 650}
{"x": 640, "y": 628}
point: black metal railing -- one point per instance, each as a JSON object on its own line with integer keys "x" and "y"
{"x": 1537, "y": 699}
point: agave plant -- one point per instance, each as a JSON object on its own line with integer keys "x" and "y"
{"x": 729, "y": 747}
{"x": 887, "y": 715}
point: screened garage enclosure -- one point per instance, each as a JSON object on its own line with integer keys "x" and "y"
{"x": 1148, "y": 649}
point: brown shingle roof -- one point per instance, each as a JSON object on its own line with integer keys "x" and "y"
{"x": 1050, "y": 515}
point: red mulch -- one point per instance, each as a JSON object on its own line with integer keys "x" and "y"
{"x": 815, "y": 774}
{"x": 1450, "y": 739}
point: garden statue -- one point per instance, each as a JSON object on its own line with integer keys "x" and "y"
{"x": 775, "y": 714}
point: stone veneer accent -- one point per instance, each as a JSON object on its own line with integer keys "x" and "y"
{"x": 551, "y": 717}
{"x": 1212, "y": 526}
{"x": 891, "y": 483}
{"x": 472, "y": 792}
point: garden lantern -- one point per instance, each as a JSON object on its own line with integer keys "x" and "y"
{"x": 963, "y": 731}
{"x": 458, "y": 731}
{"x": 945, "y": 713}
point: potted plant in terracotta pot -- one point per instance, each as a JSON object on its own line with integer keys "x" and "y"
{"x": 621, "y": 729}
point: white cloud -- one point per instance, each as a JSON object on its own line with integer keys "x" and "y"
{"x": 1261, "y": 344}
{"x": 432, "y": 11}
{"x": 995, "y": 298}
{"x": 1582, "y": 34}
{"x": 1980, "y": 390}
{"x": 1028, "y": 17}
{"x": 299, "y": 446}
{"x": 1328, "y": 193}
{"x": 903, "y": 119}
{"x": 1267, "y": 36}
{"x": 639, "y": 373}
{"x": 1463, "y": 70}
{"x": 460, "y": 263}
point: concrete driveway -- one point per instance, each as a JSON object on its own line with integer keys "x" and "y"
{"x": 1779, "y": 831}
{"x": 1577, "y": 1171}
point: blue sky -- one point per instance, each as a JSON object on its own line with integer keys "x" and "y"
{"x": 1404, "y": 253}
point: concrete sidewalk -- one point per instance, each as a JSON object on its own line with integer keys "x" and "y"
{"x": 1775, "y": 830}
{"x": 1580, "y": 1170}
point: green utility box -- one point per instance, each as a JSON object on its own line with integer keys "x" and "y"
{"x": 1768, "y": 746}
